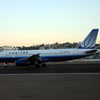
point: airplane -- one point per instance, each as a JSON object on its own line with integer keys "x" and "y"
{"x": 40, "y": 57}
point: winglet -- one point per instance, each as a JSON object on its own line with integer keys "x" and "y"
{"x": 90, "y": 40}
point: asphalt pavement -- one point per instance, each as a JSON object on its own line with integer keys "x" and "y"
{"x": 57, "y": 81}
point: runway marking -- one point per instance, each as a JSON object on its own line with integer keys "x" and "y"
{"x": 36, "y": 74}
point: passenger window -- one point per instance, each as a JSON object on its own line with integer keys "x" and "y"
{"x": 26, "y": 52}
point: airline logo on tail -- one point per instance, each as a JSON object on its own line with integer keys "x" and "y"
{"x": 90, "y": 40}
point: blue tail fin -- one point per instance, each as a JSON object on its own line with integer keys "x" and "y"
{"x": 90, "y": 40}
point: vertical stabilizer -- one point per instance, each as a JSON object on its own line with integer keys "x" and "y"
{"x": 90, "y": 40}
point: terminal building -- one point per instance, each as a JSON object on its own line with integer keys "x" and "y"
{"x": 8, "y": 48}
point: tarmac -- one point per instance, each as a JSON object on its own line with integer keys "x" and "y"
{"x": 57, "y": 81}
{"x": 58, "y": 67}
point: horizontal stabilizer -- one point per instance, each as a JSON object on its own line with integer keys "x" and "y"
{"x": 91, "y": 51}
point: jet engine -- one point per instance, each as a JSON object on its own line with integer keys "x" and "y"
{"x": 21, "y": 62}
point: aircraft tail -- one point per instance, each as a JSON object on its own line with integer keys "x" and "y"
{"x": 90, "y": 40}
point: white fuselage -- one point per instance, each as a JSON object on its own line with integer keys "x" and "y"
{"x": 50, "y": 52}
{"x": 49, "y": 55}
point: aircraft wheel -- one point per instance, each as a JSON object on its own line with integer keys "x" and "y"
{"x": 37, "y": 66}
{"x": 43, "y": 65}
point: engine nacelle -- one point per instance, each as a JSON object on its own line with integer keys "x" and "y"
{"x": 21, "y": 62}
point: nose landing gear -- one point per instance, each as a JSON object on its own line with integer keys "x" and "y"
{"x": 5, "y": 64}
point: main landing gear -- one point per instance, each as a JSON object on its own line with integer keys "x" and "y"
{"x": 38, "y": 65}
{"x": 44, "y": 65}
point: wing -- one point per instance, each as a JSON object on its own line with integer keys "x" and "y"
{"x": 34, "y": 59}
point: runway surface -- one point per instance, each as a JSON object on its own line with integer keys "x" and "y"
{"x": 58, "y": 81}
{"x": 61, "y": 67}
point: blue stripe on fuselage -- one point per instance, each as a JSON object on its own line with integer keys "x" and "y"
{"x": 10, "y": 59}
{"x": 44, "y": 58}
{"x": 61, "y": 58}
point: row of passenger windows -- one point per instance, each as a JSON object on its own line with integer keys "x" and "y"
{"x": 54, "y": 53}
{"x": 40, "y": 53}
{"x": 18, "y": 53}
{"x": 59, "y": 53}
